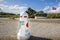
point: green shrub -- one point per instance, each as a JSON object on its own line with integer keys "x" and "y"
{"x": 31, "y": 16}
{"x": 53, "y": 15}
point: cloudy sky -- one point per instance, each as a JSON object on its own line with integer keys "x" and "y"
{"x": 15, "y": 6}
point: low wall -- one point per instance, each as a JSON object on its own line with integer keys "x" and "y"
{"x": 48, "y": 28}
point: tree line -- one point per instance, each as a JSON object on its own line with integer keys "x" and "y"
{"x": 32, "y": 13}
{"x": 8, "y": 15}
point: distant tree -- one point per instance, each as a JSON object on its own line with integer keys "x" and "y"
{"x": 31, "y": 12}
{"x": 8, "y": 15}
{"x": 53, "y": 15}
{"x": 4, "y": 13}
{"x": 0, "y": 10}
{"x": 41, "y": 13}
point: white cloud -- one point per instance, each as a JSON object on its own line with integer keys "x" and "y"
{"x": 46, "y": 8}
{"x": 58, "y": 9}
{"x": 1, "y": 0}
{"x": 59, "y": 4}
{"x": 12, "y": 8}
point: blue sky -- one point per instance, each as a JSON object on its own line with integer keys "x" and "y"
{"x": 34, "y": 4}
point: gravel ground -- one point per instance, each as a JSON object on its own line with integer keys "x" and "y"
{"x": 39, "y": 29}
{"x": 45, "y": 28}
